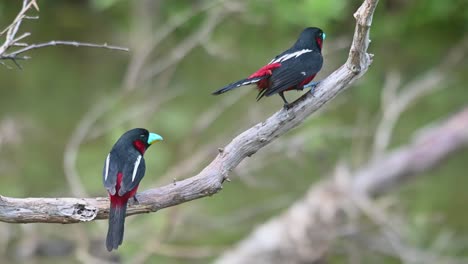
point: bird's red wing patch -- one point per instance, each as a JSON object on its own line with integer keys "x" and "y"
{"x": 265, "y": 70}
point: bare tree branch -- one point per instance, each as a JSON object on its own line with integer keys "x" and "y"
{"x": 209, "y": 180}
{"x": 304, "y": 232}
{"x": 11, "y": 40}
{"x": 433, "y": 145}
{"x": 395, "y": 103}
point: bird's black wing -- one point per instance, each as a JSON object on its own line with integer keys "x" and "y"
{"x": 133, "y": 172}
{"x": 293, "y": 71}
{"x": 110, "y": 171}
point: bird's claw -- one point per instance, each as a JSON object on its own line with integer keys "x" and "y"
{"x": 312, "y": 86}
{"x": 287, "y": 106}
{"x": 135, "y": 200}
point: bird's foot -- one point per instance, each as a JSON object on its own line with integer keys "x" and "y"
{"x": 312, "y": 86}
{"x": 135, "y": 200}
{"x": 286, "y": 104}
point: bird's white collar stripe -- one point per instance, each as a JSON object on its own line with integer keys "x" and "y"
{"x": 135, "y": 167}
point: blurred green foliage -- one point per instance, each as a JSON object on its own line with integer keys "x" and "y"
{"x": 60, "y": 84}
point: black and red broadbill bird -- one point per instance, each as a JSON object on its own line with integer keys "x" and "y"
{"x": 294, "y": 69}
{"x": 123, "y": 170}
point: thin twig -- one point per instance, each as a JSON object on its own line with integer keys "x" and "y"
{"x": 63, "y": 43}
{"x": 12, "y": 41}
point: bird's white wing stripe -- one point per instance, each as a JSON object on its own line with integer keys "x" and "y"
{"x": 107, "y": 167}
{"x": 290, "y": 55}
{"x": 248, "y": 82}
{"x": 135, "y": 167}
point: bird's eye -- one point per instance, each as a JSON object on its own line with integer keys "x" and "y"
{"x": 142, "y": 136}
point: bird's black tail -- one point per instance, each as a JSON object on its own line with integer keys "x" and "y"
{"x": 237, "y": 84}
{"x": 116, "y": 226}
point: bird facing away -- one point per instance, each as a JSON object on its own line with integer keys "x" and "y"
{"x": 293, "y": 69}
{"x": 123, "y": 170}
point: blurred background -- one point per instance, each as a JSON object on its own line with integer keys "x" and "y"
{"x": 60, "y": 115}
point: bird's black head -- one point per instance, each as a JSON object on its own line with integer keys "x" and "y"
{"x": 310, "y": 38}
{"x": 138, "y": 138}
